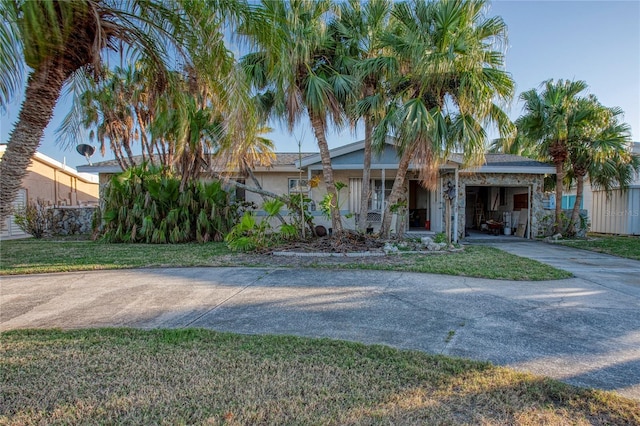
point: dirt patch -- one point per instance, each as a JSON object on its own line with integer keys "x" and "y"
{"x": 344, "y": 251}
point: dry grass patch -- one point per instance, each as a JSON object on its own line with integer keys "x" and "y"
{"x": 204, "y": 377}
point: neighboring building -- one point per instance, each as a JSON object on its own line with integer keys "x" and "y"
{"x": 504, "y": 184}
{"x": 55, "y": 184}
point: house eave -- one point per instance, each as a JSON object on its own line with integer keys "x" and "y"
{"x": 511, "y": 169}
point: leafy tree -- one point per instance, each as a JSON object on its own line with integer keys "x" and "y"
{"x": 61, "y": 40}
{"x": 598, "y": 148}
{"x": 548, "y": 122}
{"x": 359, "y": 30}
{"x": 293, "y": 67}
{"x": 451, "y": 83}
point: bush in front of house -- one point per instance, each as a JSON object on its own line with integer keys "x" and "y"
{"x": 147, "y": 205}
{"x": 34, "y": 219}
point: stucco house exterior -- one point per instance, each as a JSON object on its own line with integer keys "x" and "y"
{"x": 504, "y": 184}
{"x": 54, "y": 183}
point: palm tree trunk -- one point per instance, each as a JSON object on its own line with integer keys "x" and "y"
{"x": 396, "y": 191}
{"x": 559, "y": 190}
{"x": 575, "y": 214}
{"x": 143, "y": 137}
{"x": 42, "y": 92}
{"x": 366, "y": 176}
{"x": 327, "y": 171}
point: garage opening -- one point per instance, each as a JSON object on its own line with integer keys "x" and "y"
{"x": 497, "y": 210}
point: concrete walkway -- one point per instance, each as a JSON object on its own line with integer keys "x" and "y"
{"x": 617, "y": 273}
{"x": 575, "y": 330}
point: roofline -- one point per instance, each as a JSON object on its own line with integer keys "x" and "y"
{"x": 542, "y": 170}
{"x": 336, "y": 152}
{"x": 535, "y": 170}
{"x": 85, "y": 177}
{"x": 100, "y": 169}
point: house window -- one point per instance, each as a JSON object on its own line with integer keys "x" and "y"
{"x": 379, "y": 193}
{"x": 568, "y": 201}
{"x": 297, "y": 186}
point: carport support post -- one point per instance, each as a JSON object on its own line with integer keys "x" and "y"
{"x": 455, "y": 208}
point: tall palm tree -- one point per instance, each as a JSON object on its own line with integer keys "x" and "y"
{"x": 598, "y": 148}
{"x": 57, "y": 39}
{"x": 359, "y": 29}
{"x": 451, "y": 83}
{"x": 548, "y": 121}
{"x": 294, "y": 66}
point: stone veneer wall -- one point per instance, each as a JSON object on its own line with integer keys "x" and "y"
{"x": 535, "y": 182}
{"x": 72, "y": 220}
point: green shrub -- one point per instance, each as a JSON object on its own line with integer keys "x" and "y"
{"x": 147, "y": 205}
{"x": 248, "y": 234}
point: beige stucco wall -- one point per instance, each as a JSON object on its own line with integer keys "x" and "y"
{"x": 57, "y": 186}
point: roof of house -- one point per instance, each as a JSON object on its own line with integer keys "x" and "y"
{"x": 282, "y": 160}
{"x": 349, "y": 157}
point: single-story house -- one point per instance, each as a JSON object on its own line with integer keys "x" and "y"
{"x": 617, "y": 212}
{"x": 507, "y": 188}
{"x": 55, "y": 184}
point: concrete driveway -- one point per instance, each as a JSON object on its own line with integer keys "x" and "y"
{"x": 575, "y": 330}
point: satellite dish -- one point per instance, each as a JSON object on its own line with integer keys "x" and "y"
{"x": 86, "y": 150}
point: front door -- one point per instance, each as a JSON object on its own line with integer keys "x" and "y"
{"x": 419, "y": 206}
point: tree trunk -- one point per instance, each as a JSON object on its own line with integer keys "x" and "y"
{"x": 559, "y": 190}
{"x": 396, "y": 191}
{"x": 43, "y": 89}
{"x": 327, "y": 171}
{"x": 144, "y": 140}
{"x": 575, "y": 213}
{"x": 366, "y": 176}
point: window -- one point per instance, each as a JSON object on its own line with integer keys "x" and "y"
{"x": 297, "y": 186}
{"x": 379, "y": 194}
{"x": 568, "y": 202}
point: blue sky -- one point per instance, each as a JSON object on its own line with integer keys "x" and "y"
{"x": 594, "y": 41}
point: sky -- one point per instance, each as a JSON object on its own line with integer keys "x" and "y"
{"x": 594, "y": 41}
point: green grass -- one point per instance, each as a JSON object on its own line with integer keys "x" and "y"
{"x": 194, "y": 376}
{"x": 45, "y": 256}
{"x": 39, "y": 256}
{"x": 628, "y": 247}
{"x": 474, "y": 261}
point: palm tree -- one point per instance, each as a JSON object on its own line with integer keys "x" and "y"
{"x": 294, "y": 68}
{"x": 549, "y": 120}
{"x": 58, "y": 39}
{"x": 451, "y": 83}
{"x": 598, "y": 148}
{"x": 359, "y": 30}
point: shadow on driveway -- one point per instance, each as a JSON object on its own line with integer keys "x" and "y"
{"x": 573, "y": 330}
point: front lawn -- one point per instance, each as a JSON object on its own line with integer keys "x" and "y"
{"x": 623, "y": 246}
{"x": 193, "y": 376}
{"x": 44, "y": 256}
